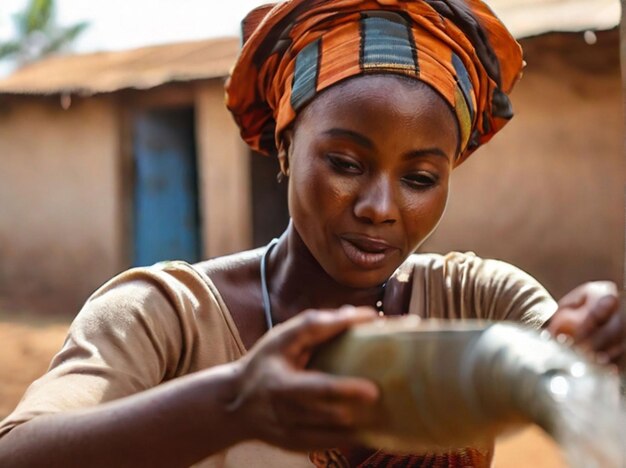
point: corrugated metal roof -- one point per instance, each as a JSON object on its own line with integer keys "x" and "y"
{"x": 143, "y": 68}
{"x": 153, "y": 66}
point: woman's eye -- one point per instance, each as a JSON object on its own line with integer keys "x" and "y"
{"x": 345, "y": 164}
{"x": 421, "y": 180}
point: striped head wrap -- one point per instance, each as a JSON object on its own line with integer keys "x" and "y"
{"x": 297, "y": 48}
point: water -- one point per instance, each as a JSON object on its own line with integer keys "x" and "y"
{"x": 574, "y": 400}
{"x": 589, "y": 419}
{"x": 456, "y": 384}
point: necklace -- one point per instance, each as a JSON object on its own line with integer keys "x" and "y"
{"x": 267, "y": 306}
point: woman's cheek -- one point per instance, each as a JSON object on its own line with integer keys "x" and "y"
{"x": 332, "y": 191}
{"x": 312, "y": 191}
{"x": 423, "y": 214}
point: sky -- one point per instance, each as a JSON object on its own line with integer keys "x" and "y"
{"x": 123, "y": 24}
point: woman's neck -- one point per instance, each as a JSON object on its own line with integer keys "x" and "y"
{"x": 296, "y": 281}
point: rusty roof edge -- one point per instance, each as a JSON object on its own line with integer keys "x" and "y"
{"x": 28, "y": 80}
{"x": 82, "y": 92}
{"x": 539, "y": 32}
{"x": 527, "y": 18}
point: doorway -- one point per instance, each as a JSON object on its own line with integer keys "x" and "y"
{"x": 166, "y": 223}
{"x": 270, "y": 213}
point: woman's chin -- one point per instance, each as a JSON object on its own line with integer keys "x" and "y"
{"x": 362, "y": 279}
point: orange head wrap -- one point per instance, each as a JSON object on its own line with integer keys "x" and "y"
{"x": 297, "y": 48}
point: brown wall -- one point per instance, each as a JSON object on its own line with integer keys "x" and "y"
{"x": 59, "y": 233}
{"x": 66, "y": 189}
{"x": 547, "y": 194}
{"x": 224, "y": 174}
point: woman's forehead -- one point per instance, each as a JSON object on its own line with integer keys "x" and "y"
{"x": 379, "y": 107}
{"x": 384, "y": 94}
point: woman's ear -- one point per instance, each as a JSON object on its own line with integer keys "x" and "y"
{"x": 284, "y": 152}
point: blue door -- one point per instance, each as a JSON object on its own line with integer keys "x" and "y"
{"x": 166, "y": 225}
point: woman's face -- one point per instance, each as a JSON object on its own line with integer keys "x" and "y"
{"x": 369, "y": 167}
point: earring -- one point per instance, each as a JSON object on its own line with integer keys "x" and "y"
{"x": 282, "y": 175}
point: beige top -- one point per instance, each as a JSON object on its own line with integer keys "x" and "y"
{"x": 150, "y": 325}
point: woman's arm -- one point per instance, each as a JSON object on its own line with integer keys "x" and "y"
{"x": 267, "y": 395}
{"x": 175, "y": 424}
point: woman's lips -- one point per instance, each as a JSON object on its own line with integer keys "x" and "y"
{"x": 366, "y": 252}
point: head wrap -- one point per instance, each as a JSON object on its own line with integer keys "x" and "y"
{"x": 295, "y": 49}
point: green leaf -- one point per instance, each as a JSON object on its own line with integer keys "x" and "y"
{"x": 72, "y": 32}
{"x": 39, "y": 15}
{"x": 63, "y": 37}
{"x": 8, "y": 49}
{"x": 21, "y": 23}
{"x": 36, "y": 27}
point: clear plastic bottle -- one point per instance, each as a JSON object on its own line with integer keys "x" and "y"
{"x": 447, "y": 385}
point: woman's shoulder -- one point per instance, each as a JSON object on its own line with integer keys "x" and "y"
{"x": 465, "y": 285}
{"x": 173, "y": 278}
{"x": 464, "y": 263}
{"x": 166, "y": 291}
{"x": 175, "y": 299}
{"x": 173, "y": 306}
{"x": 237, "y": 277}
{"x": 235, "y": 263}
{"x": 182, "y": 272}
{"x": 422, "y": 258}
{"x": 468, "y": 270}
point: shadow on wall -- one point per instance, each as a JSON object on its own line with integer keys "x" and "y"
{"x": 270, "y": 214}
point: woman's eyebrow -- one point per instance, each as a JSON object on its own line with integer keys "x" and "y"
{"x": 427, "y": 152}
{"x": 358, "y": 138}
{"x": 365, "y": 142}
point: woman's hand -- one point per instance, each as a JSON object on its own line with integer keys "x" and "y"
{"x": 592, "y": 317}
{"x": 284, "y": 404}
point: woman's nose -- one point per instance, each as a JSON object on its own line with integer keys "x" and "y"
{"x": 376, "y": 203}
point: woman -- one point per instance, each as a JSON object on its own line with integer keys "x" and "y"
{"x": 369, "y": 105}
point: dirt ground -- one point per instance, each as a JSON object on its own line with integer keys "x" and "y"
{"x": 28, "y": 342}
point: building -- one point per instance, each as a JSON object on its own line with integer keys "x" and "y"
{"x": 87, "y": 141}
{"x": 110, "y": 160}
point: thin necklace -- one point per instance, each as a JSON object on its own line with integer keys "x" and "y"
{"x": 267, "y": 306}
